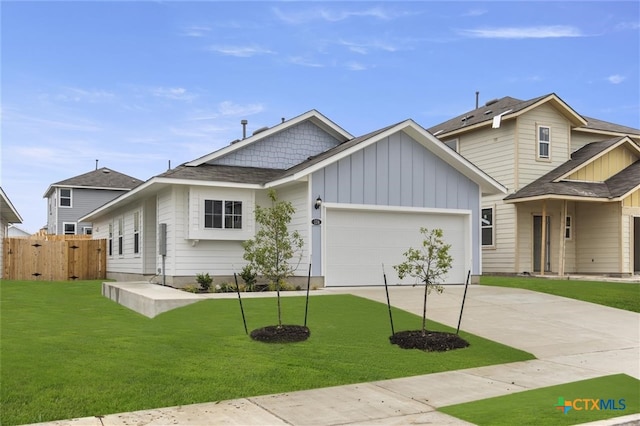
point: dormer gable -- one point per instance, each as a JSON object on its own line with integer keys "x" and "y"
{"x": 617, "y": 155}
{"x": 282, "y": 146}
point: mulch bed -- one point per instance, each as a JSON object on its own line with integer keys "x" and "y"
{"x": 431, "y": 341}
{"x": 281, "y": 334}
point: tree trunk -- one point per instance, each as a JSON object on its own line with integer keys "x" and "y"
{"x": 424, "y": 309}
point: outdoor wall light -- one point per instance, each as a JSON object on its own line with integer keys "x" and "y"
{"x": 318, "y": 203}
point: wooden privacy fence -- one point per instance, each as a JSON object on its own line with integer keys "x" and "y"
{"x": 54, "y": 258}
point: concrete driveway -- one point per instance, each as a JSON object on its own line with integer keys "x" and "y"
{"x": 573, "y": 341}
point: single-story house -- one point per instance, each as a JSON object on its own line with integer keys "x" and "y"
{"x": 359, "y": 203}
{"x": 8, "y": 216}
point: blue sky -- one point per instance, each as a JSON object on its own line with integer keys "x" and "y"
{"x": 136, "y": 84}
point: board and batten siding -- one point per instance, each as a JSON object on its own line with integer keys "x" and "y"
{"x": 395, "y": 171}
{"x": 298, "y": 195}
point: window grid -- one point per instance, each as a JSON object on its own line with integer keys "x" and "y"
{"x": 218, "y": 218}
{"x": 544, "y": 141}
{"x": 120, "y": 236}
{"x": 65, "y": 197}
{"x": 136, "y": 232}
{"x": 486, "y": 225}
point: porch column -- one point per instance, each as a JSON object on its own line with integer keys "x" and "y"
{"x": 543, "y": 238}
{"x": 561, "y": 258}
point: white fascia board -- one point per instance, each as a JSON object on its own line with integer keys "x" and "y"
{"x": 606, "y": 132}
{"x": 430, "y": 142}
{"x": 343, "y": 154}
{"x": 15, "y": 216}
{"x": 395, "y": 209}
{"x": 313, "y": 115}
{"x": 626, "y": 140}
{"x": 161, "y": 181}
{"x": 487, "y": 184}
{"x": 559, "y": 197}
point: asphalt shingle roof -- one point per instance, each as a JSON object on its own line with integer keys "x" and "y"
{"x": 101, "y": 178}
{"x": 223, "y": 173}
{"x": 614, "y": 187}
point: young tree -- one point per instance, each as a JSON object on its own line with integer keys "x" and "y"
{"x": 429, "y": 265}
{"x": 271, "y": 250}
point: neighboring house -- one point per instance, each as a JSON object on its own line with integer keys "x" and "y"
{"x": 16, "y": 231}
{"x": 70, "y": 199}
{"x": 359, "y": 203}
{"x": 8, "y": 215}
{"x": 580, "y": 174}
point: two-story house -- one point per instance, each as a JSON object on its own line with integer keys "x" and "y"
{"x": 70, "y": 199}
{"x": 574, "y": 187}
{"x": 8, "y": 215}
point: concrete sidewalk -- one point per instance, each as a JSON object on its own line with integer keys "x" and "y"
{"x": 572, "y": 340}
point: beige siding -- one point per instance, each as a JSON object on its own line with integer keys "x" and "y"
{"x": 492, "y": 150}
{"x": 501, "y": 257}
{"x": 632, "y": 200}
{"x": 530, "y": 167}
{"x": 598, "y": 232}
{"x": 580, "y": 139}
{"x": 602, "y": 168}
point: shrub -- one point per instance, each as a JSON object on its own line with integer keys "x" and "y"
{"x": 249, "y": 276}
{"x": 191, "y": 288}
{"x": 205, "y": 281}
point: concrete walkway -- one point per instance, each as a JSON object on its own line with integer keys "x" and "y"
{"x": 572, "y": 340}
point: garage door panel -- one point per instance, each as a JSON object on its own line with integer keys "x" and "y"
{"x": 359, "y": 242}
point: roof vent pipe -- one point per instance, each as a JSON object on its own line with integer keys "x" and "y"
{"x": 477, "y": 97}
{"x": 244, "y": 128}
{"x": 96, "y": 164}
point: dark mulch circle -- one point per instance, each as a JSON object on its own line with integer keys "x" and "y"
{"x": 281, "y": 334}
{"x": 432, "y": 341}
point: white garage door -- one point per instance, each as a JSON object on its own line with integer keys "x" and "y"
{"x": 358, "y": 242}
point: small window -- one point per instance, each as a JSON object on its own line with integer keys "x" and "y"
{"x": 110, "y": 240}
{"x": 486, "y": 224}
{"x": 544, "y": 141}
{"x": 453, "y": 144}
{"x": 568, "y": 229}
{"x": 136, "y": 232}
{"x": 219, "y": 214}
{"x": 65, "y": 197}
{"x": 120, "y": 236}
{"x": 87, "y": 230}
{"x": 69, "y": 228}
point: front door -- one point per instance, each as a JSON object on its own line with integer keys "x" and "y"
{"x": 537, "y": 243}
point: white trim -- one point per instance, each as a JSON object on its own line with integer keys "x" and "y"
{"x": 420, "y": 135}
{"x": 539, "y": 142}
{"x": 59, "y": 193}
{"x": 313, "y": 115}
{"x": 624, "y": 141}
{"x": 493, "y": 227}
{"x": 75, "y": 228}
{"x": 398, "y": 209}
{"x": 16, "y": 216}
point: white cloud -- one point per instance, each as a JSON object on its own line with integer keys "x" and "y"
{"x": 336, "y": 15}
{"x": 305, "y": 62}
{"x": 364, "y": 48}
{"x": 553, "y": 31}
{"x": 623, "y": 26}
{"x": 475, "y": 12}
{"x": 355, "y": 66}
{"x": 174, "y": 93}
{"x": 616, "y": 79}
{"x": 240, "y": 51}
{"x": 75, "y": 94}
{"x": 195, "y": 31}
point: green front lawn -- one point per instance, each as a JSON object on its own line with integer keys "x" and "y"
{"x": 69, "y": 352}
{"x": 539, "y": 406}
{"x": 616, "y": 295}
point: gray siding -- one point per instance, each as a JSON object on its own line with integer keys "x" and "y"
{"x": 396, "y": 171}
{"x": 83, "y": 201}
{"x": 282, "y": 150}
